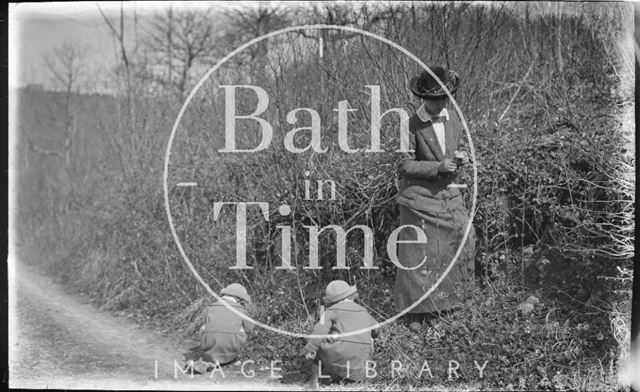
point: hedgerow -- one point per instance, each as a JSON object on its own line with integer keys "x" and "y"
{"x": 554, "y": 211}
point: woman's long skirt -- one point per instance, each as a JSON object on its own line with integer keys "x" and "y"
{"x": 444, "y": 228}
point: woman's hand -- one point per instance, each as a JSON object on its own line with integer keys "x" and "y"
{"x": 447, "y": 166}
{"x": 461, "y": 156}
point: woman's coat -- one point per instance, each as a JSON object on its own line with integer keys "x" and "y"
{"x": 426, "y": 201}
{"x": 224, "y": 335}
{"x": 345, "y": 356}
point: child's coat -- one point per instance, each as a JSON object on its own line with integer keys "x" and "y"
{"x": 344, "y": 316}
{"x": 224, "y": 335}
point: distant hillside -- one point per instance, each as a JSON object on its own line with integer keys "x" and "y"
{"x": 42, "y": 115}
{"x": 57, "y": 136}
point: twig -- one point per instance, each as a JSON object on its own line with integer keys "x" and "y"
{"x": 297, "y": 270}
{"x": 580, "y": 302}
{"x": 516, "y": 94}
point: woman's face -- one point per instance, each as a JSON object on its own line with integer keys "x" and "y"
{"x": 435, "y": 105}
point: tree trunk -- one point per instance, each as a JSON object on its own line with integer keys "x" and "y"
{"x": 559, "y": 60}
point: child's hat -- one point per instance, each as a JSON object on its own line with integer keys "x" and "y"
{"x": 337, "y": 291}
{"x": 426, "y": 86}
{"x": 237, "y": 290}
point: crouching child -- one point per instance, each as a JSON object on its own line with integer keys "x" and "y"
{"x": 342, "y": 358}
{"x": 223, "y": 337}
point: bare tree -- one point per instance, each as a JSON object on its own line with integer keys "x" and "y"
{"x": 55, "y": 116}
{"x": 67, "y": 68}
{"x": 249, "y": 22}
{"x": 177, "y": 41}
{"x": 126, "y": 65}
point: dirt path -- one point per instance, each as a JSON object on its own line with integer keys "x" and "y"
{"x": 58, "y": 341}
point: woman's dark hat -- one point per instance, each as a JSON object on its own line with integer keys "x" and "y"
{"x": 425, "y": 86}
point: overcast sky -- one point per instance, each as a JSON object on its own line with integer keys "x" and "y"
{"x": 36, "y": 28}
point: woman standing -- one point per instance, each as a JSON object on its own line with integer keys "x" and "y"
{"x": 426, "y": 199}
